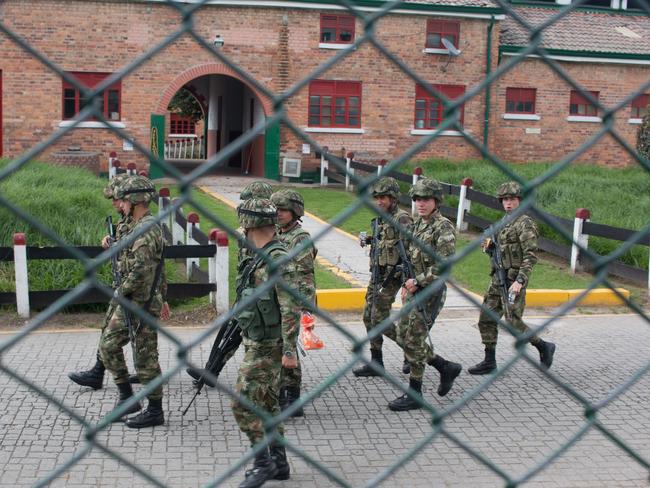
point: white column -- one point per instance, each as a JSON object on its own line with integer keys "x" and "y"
{"x": 417, "y": 174}
{"x": 111, "y": 157}
{"x": 219, "y": 271}
{"x": 324, "y": 165}
{"x": 348, "y": 170}
{"x": 464, "y": 204}
{"x": 582, "y": 216}
{"x": 131, "y": 169}
{"x": 213, "y": 116}
{"x": 380, "y": 166}
{"x": 178, "y": 233}
{"x": 22, "y": 283}
{"x": 192, "y": 223}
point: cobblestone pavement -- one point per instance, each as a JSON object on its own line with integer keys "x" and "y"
{"x": 519, "y": 421}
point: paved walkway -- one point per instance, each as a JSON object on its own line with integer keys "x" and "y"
{"x": 517, "y": 422}
{"x": 337, "y": 247}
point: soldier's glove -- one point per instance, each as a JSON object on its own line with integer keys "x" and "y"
{"x": 487, "y": 245}
{"x": 364, "y": 240}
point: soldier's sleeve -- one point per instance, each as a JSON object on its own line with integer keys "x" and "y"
{"x": 405, "y": 222}
{"x": 289, "y": 309}
{"x": 528, "y": 235}
{"x": 139, "y": 275}
{"x": 444, "y": 245}
{"x": 304, "y": 261}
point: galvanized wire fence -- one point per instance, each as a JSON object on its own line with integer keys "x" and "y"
{"x": 437, "y": 416}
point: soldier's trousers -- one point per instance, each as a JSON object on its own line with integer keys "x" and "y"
{"x": 115, "y": 336}
{"x": 488, "y": 326}
{"x": 291, "y": 377}
{"x": 413, "y": 331}
{"x": 385, "y": 297}
{"x": 258, "y": 381}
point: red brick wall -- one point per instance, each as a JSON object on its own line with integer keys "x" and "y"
{"x": 558, "y": 137}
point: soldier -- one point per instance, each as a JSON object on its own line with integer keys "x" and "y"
{"x": 269, "y": 328}
{"x": 518, "y": 243}
{"x": 291, "y": 207}
{"x": 94, "y": 377}
{"x": 437, "y": 232}
{"x": 143, "y": 286}
{"x": 384, "y": 280}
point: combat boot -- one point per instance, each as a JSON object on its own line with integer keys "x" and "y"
{"x": 200, "y": 375}
{"x": 405, "y": 402}
{"x": 292, "y": 396}
{"x": 126, "y": 392}
{"x": 264, "y": 469}
{"x": 151, "y": 417}
{"x": 366, "y": 370}
{"x": 279, "y": 456}
{"x": 93, "y": 377}
{"x": 488, "y": 364}
{"x": 134, "y": 379}
{"x": 448, "y": 373}
{"x": 406, "y": 366}
{"x": 282, "y": 398}
{"x": 546, "y": 352}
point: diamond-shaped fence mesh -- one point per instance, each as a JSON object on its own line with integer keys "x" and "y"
{"x": 578, "y": 406}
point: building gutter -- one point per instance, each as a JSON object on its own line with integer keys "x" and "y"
{"x": 488, "y": 70}
{"x": 581, "y": 56}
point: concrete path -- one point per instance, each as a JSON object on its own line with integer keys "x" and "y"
{"x": 335, "y": 246}
{"x": 517, "y": 422}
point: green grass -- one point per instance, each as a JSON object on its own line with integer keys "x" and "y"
{"x": 325, "y": 279}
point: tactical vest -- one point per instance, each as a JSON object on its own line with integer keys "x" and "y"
{"x": 262, "y": 320}
{"x": 512, "y": 253}
{"x": 388, "y": 237}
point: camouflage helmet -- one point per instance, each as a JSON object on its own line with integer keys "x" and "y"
{"x": 289, "y": 200}
{"x": 426, "y": 188}
{"x": 110, "y": 191}
{"x": 136, "y": 189}
{"x": 257, "y": 212}
{"x": 509, "y": 189}
{"x": 256, "y": 189}
{"x": 386, "y": 186}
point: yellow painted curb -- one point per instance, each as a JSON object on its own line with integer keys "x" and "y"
{"x": 546, "y": 298}
{"x": 341, "y": 299}
{"x": 600, "y": 296}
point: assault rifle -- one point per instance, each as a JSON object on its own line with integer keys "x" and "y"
{"x": 494, "y": 251}
{"x": 117, "y": 278}
{"x": 374, "y": 270}
{"x": 227, "y": 341}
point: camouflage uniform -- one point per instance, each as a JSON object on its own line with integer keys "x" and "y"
{"x": 140, "y": 262}
{"x": 436, "y": 233}
{"x": 255, "y": 189}
{"x": 268, "y": 327}
{"x": 292, "y": 236}
{"x": 517, "y": 241}
{"x": 386, "y": 285}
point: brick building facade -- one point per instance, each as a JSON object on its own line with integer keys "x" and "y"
{"x": 364, "y": 103}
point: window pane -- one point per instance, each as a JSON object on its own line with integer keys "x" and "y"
{"x": 528, "y": 107}
{"x": 340, "y": 102}
{"x": 327, "y": 35}
{"x": 510, "y": 106}
{"x": 340, "y": 111}
{"x": 340, "y": 119}
{"x": 327, "y": 101}
{"x": 520, "y": 107}
{"x": 68, "y": 108}
{"x": 314, "y": 110}
{"x": 314, "y": 100}
{"x": 354, "y": 121}
{"x": 419, "y": 114}
{"x": 353, "y": 101}
{"x": 419, "y": 123}
{"x": 433, "y": 40}
{"x": 451, "y": 38}
{"x": 326, "y": 121}
{"x": 420, "y": 104}
{"x": 345, "y": 36}
{"x": 354, "y": 111}
{"x": 314, "y": 120}
{"x": 573, "y": 108}
{"x": 327, "y": 111}
{"x": 69, "y": 93}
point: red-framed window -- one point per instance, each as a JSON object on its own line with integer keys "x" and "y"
{"x": 74, "y": 101}
{"x": 640, "y": 106}
{"x": 337, "y": 28}
{"x": 579, "y": 105}
{"x": 181, "y": 125}
{"x": 520, "y": 100}
{"x": 437, "y": 30}
{"x": 335, "y": 103}
{"x": 429, "y": 110}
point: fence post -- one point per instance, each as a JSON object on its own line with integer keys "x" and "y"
{"x": 348, "y": 170}
{"x": 192, "y": 223}
{"x": 178, "y": 233}
{"x": 324, "y": 165}
{"x": 464, "y": 204}
{"x": 111, "y": 157}
{"x": 218, "y": 270}
{"x": 380, "y": 166}
{"x": 116, "y": 165}
{"x": 22, "y": 283}
{"x": 417, "y": 173}
{"x": 163, "y": 202}
{"x": 131, "y": 169}
{"x": 582, "y": 216}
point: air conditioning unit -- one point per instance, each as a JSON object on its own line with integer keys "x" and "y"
{"x": 291, "y": 167}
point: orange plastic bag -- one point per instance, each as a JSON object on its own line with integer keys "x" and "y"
{"x": 309, "y": 339}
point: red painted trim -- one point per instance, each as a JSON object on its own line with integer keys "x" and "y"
{"x": 116, "y": 163}
{"x": 212, "y": 235}
{"x": 131, "y": 166}
{"x": 520, "y": 95}
{"x": 583, "y": 213}
{"x": 164, "y": 192}
{"x": 112, "y": 154}
{"x": 193, "y": 218}
{"x": 417, "y": 171}
{"x": 351, "y": 155}
{"x": 20, "y": 239}
{"x": 382, "y": 162}
{"x": 222, "y": 238}
{"x": 467, "y": 182}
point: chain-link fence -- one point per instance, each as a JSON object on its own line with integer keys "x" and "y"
{"x": 439, "y": 431}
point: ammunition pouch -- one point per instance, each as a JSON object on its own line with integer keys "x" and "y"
{"x": 262, "y": 319}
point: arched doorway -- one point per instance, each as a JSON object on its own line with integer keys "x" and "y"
{"x": 232, "y": 107}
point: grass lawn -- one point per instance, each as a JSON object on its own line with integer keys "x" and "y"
{"x": 325, "y": 279}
